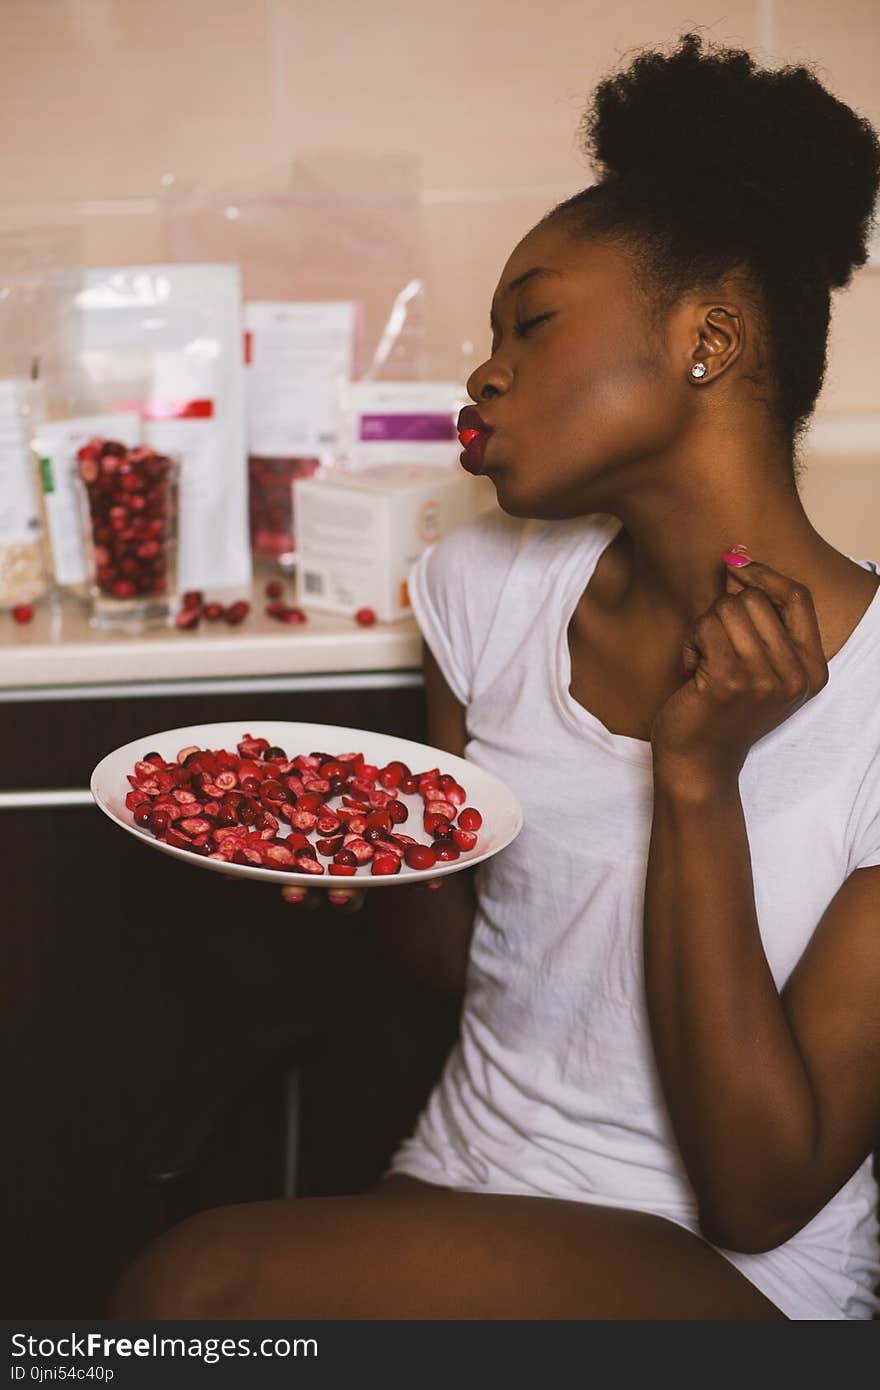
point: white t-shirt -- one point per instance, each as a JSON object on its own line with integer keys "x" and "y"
{"x": 551, "y": 1088}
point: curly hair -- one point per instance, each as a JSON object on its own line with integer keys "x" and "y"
{"x": 709, "y": 166}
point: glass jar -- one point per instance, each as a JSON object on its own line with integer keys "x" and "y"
{"x": 271, "y": 505}
{"x": 129, "y": 512}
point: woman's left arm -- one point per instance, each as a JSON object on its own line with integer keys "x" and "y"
{"x": 774, "y": 1099}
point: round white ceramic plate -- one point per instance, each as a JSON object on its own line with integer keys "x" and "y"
{"x": 500, "y": 809}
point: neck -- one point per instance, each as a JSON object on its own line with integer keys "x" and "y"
{"x": 674, "y": 535}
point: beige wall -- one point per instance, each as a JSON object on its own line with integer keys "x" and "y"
{"x": 102, "y": 100}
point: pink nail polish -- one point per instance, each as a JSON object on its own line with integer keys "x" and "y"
{"x": 738, "y": 560}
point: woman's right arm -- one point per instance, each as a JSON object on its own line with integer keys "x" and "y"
{"x": 429, "y": 932}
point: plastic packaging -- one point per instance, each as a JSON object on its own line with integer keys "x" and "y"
{"x": 23, "y": 572}
{"x": 399, "y": 422}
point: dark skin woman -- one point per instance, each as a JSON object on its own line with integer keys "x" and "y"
{"x": 593, "y": 406}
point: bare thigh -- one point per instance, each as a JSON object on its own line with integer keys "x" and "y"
{"x": 407, "y": 1249}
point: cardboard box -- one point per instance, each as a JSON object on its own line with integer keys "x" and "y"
{"x": 358, "y": 534}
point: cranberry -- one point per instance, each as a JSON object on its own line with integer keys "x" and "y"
{"x": 365, "y": 616}
{"x": 187, "y": 618}
{"x": 341, "y": 870}
{"x": 446, "y": 850}
{"x": 274, "y": 589}
{"x": 23, "y": 612}
{"x": 385, "y": 864}
{"x": 409, "y": 785}
{"x": 213, "y": 611}
{"x": 237, "y": 612}
{"x": 345, "y": 859}
{"x": 465, "y": 839}
{"x": 470, "y": 819}
{"x": 397, "y": 811}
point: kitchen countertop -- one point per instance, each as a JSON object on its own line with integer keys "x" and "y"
{"x": 59, "y": 649}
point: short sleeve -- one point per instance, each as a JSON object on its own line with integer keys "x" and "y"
{"x": 865, "y": 839}
{"x": 454, "y": 588}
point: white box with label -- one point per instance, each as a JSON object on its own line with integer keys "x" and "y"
{"x": 358, "y": 534}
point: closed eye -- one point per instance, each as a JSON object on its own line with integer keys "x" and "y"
{"x": 523, "y": 329}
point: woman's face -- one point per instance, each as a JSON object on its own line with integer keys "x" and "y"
{"x": 578, "y": 391}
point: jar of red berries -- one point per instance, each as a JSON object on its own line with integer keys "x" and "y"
{"x": 129, "y": 509}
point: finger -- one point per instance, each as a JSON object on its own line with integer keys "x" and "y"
{"x": 300, "y": 897}
{"x": 761, "y": 641}
{"x": 794, "y": 602}
{"x": 346, "y": 899}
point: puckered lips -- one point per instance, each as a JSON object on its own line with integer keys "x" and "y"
{"x": 473, "y": 432}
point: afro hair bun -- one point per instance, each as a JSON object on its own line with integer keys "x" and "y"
{"x": 798, "y": 159}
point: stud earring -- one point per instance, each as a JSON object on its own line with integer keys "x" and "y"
{"x": 699, "y": 369}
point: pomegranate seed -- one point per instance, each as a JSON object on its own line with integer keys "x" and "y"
{"x": 420, "y": 857}
{"x": 365, "y": 616}
{"x": 274, "y": 589}
{"x": 470, "y": 819}
{"x": 212, "y": 611}
{"x": 23, "y": 612}
{"x": 385, "y": 864}
{"x": 188, "y": 617}
{"x": 342, "y": 870}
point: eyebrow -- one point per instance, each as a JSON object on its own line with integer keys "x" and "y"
{"x": 521, "y": 280}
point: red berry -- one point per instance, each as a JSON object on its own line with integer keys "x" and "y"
{"x": 365, "y": 616}
{"x": 23, "y": 612}
{"x": 385, "y": 863}
{"x": 193, "y": 598}
{"x": 420, "y": 857}
{"x": 212, "y": 611}
{"x": 465, "y": 839}
{"x": 274, "y": 589}
{"x": 342, "y": 870}
{"x": 188, "y": 617}
{"x": 470, "y": 819}
{"x": 237, "y": 612}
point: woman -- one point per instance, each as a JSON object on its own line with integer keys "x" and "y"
{"x": 666, "y": 1090}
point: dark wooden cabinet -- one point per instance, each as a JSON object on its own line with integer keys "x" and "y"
{"x": 133, "y": 983}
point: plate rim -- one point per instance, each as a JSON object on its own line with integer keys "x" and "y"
{"x": 282, "y": 877}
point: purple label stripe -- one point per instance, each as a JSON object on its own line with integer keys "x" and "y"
{"x": 413, "y": 427}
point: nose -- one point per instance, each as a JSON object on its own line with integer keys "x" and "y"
{"x": 488, "y": 380}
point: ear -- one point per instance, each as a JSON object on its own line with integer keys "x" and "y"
{"x": 717, "y": 338}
